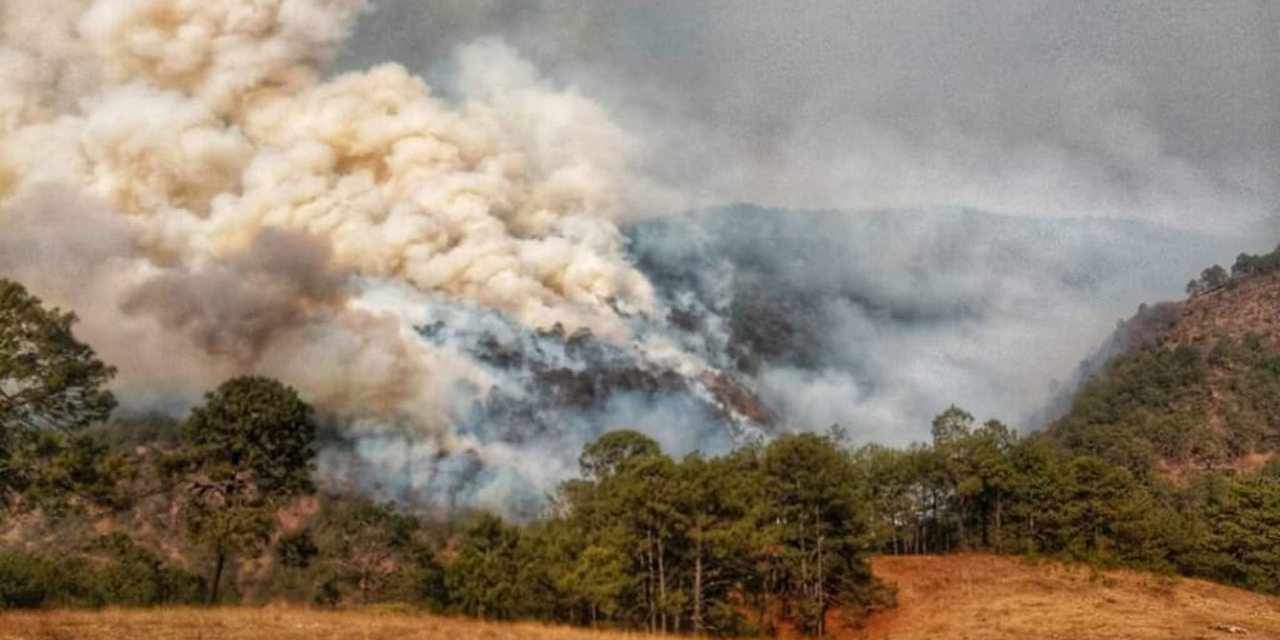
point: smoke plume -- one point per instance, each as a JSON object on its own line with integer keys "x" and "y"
{"x": 459, "y": 261}
{"x": 185, "y": 176}
{"x": 1159, "y": 109}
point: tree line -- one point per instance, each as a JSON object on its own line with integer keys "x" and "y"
{"x": 641, "y": 541}
{"x": 730, "y": 545}
{"x": 772, "y": 534}
{"x": 983, "y": 487}
{"x": 1246, "y": 266}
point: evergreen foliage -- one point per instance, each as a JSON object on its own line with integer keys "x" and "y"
{"x": 49, "y": 380}
{"x": 1246, "y": 266}
{"x": 774, "y": 534}
{"x": 246, "y": 450}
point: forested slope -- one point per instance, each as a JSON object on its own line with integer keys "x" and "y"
{"x": 1196, "y": 384}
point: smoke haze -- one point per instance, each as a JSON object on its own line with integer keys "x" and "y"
{"x": 457, "y": 227}
{"x": 1164, "y": 110}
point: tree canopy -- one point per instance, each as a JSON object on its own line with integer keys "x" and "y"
{"x": 49, "y": 382}
{"x": 48, "y": 378}
{"x": 247, "y": 448}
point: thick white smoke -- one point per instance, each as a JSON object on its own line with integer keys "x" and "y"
{"x": 181, "y": 173}
{"x": 443, "y": 272}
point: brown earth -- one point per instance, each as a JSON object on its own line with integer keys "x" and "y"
{"x": 979, "y": 597}
{"x": 1242, "y": 307}
{"x": 1251, "y": 305}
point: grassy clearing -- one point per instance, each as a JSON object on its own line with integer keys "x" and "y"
{"x": 271, "y": 623}
{"x": 972, "y": 597}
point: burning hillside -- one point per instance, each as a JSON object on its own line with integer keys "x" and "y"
{"x": 185, "y": 176}
{"x": 460, "y": 276}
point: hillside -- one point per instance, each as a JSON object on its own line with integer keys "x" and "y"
{"x": 974, "y": 597}
{"x": 1237, "y": 309}
{"x": 223, "y": 509}
{"x": 1190, "y": 385}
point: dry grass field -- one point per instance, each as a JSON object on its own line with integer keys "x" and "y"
{"x": 940, "y": 598}
{"x": 271, "y": 623}
{"x": 998, "y": 598}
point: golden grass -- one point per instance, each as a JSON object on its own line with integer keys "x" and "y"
{"x": 972, "y": 597}
{"x": 978, "y": 597}
{"x": 270, "y": 623}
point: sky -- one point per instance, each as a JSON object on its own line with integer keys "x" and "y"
{"x": 1163, "y": 110}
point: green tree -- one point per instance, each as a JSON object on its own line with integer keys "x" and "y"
{"x": 130, "y": 575}
{"x": 991, "y": 445}
{"x": 48, "y": 380}
{"x": 814, "y": 506}
{"x": 881, "y": 475}
{"x": 247, "y": 450}
{"x": 369, "y": 543}
{"x": 614, "y": 450}
{"x": 81, "y": 466}
{"x": 627, "y": 503}
{"x": 1213, "y": 277}
{"x": 1241, "y": 521}
{"x": 640, "y": 500}
{"x": 598, "y": 579}
{"x": 482, "y": 579}
{"x": 715, "y": 499}
{"x": 953, "y": 443}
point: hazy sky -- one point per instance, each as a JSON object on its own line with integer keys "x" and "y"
{"x": 1165, "y": 110}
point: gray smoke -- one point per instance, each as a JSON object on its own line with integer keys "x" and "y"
{"x": 1161, "y": 109}
{"x": 1090, "y": 117}
{"x": 879, "y": 320}
{"x": 462, "y": 238}
{"x": 236, "y": 308}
